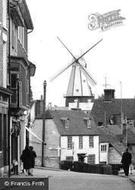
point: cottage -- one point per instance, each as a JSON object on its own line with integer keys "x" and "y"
{"x": 69, "y": 135}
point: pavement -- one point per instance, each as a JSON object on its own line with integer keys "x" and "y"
{"x": 131, "y": 175}
{"x": 38, "y": 173}
{"x": 46, "y": 172}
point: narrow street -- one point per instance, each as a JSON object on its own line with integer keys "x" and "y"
{"x": 66, "y": 180}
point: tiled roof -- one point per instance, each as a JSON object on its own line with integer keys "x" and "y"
{"x": 105, "y": 109}
{"x": 77, "y": 124}
{"x": 102, "y": 109}
{"x": 107, "y": 135}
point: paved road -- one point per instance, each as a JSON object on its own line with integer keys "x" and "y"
{"x": 64, "y": 180}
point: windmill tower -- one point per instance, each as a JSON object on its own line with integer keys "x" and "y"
{"x": 79, "y": 93}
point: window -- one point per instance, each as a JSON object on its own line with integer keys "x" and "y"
{"x": 14, "y": 88}
{"x": 80, "y": 142}
{"x": 69, "y": 143}
{"x": 69, "y": 158}
{"x": 87, "y": 121}
{"x": 22, "y": 36}
{"x": 103, "y": 148}
{"x": 14, "y": 78}
{"x": 14, "y": 37}
{"x": 91, "y": 141}
{"x": 91, "y": 159}
{"x": 20, "y": 93}
{"x": 65, "y": 122}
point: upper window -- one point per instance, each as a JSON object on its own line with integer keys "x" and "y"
{"x": 80, "y": 142}
{"x": 69, "y": 143}
{"x": 91, "y": 141}
{"x": 65, "y": 122}
{"x": 22, "y": 37}
{"x": 14, "y": 79}
{"x": 87, "y": 121}
{"x": 103, "y": 148}
{"x": 14, "y": 37}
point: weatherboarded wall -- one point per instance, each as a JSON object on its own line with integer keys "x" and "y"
{"x": 114, "y": 156}
{"x": 76, "y": 150}
{"x": 51, "y": 149}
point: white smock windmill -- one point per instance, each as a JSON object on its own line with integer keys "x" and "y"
{"x": 80, "y": 81}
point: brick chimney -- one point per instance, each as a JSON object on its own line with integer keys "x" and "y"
{"x": 109, "y": 94}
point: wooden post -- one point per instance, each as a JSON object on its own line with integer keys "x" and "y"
{"x": 43, "y": 127}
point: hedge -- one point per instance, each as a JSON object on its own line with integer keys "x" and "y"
{"x": 89, "y": 168}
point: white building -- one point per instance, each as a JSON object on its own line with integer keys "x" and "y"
{"x": 69, "y": 135}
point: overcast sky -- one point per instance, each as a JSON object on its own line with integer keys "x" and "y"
{"x": 113, "y": 58}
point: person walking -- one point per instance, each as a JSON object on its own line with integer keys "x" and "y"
{"x": 26, "y": 159}
{"x": 33, "y": 156}
{"x": 126, "y": 161}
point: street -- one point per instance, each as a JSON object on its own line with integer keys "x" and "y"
{"x": 67, "y": 180}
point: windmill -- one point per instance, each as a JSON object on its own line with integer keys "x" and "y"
{"x": 79, "y": 86}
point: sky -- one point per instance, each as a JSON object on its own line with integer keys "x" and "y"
{"x": 113, "y": 58}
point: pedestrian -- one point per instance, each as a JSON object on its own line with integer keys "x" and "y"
{"x": 126, "y": 161}
{"x": 33, "y": 156}
{"x": 26, "y": 159}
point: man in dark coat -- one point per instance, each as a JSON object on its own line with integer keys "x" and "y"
{"x": 126, "y": 161}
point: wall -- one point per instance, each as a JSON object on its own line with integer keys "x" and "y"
{"x": 114, "y": 156}
{"x": 52, "y": 147}
{"x": 86, "y": 150}
{"x": 51, "y": 154}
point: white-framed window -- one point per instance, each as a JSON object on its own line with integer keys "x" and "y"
{"x": 65, "y": 122}
{"x": 14, "y": 37}
{"x": 21, "y": 35}
{"x": 80, "y": 142}
{"x": 87, "y": 121}
{"x": 69, "y": 142}
{"x": 103, "y": 147}
{"x": 91, "y": 159}
{"x": 91, "y": 141}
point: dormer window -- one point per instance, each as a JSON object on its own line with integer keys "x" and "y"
{"x": 87, "y": 121}
{"x": 65, "y": 122}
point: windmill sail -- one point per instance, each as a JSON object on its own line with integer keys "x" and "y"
{"x": 80, "y": 81}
